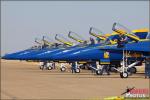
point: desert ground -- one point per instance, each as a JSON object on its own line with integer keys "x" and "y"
{"x": 24, "y": 80}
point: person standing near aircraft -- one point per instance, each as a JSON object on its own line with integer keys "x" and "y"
{"x": 147, "y": 67}
{"x": 73, "y": 67}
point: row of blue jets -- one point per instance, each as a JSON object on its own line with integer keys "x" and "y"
{"x": 121, "y": 51}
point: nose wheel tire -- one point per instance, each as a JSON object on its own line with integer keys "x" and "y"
{"x": 49, "y": 68}
{"x": 124, "y": 75}
{"x": 98, "y": 72}
{"x": 41, "y": 67}
{"x": 63, "y": 69}
{"x": 77, "y": 70}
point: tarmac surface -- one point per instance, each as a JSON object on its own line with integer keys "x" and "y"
{"x": 24, "y": 80}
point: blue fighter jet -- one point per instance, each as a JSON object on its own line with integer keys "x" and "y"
{"x": 100, "y": 55}
{"x": 51, "y": 56}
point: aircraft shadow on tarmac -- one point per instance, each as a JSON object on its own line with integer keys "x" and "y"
{"x": 86, "y": 75}
{"x": 68, "y": 74}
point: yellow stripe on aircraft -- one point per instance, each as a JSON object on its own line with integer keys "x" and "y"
{"x": 62, "y": 61}
{"x": 49, "y": 43}
{"x": 140, "y": 30}
{"x": 132, "y": 36}
{"x": 99, "y": 36}
{"x": 82, "y": 62}
{"x": 104, "y": 62}
{"x": 76, "y": 39}
{"x": 67, "y": 43}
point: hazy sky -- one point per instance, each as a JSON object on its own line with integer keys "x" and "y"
{"x": 23, "y": 21}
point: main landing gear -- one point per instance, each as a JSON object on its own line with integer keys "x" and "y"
{"x": 62, "y": 67}
{"x": 75, "y": 68}
{"x": 47, "y": 65}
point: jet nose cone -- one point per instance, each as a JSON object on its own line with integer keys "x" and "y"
{"x": 7, "y": 57}
{"x": 4, "y": 57}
